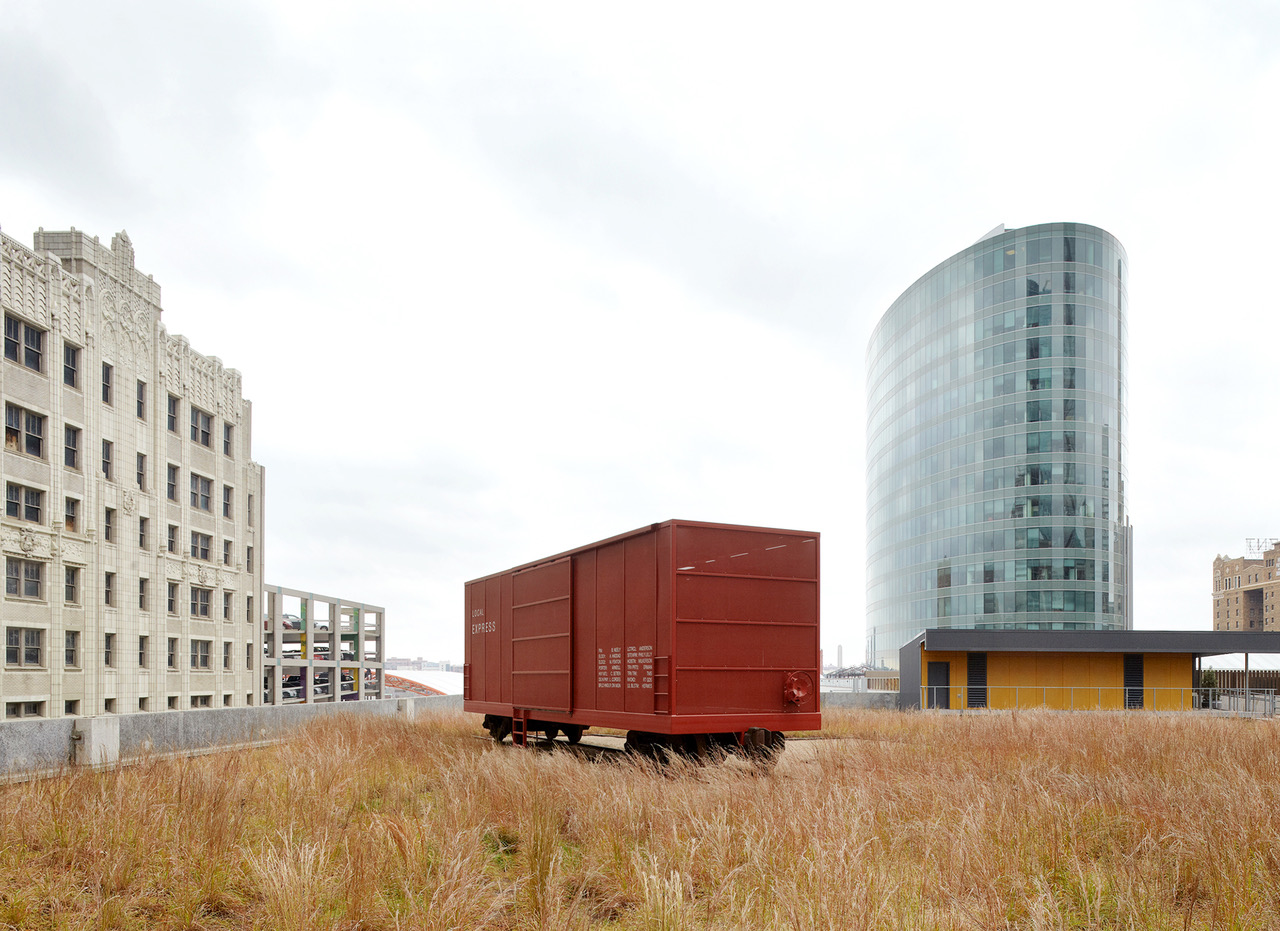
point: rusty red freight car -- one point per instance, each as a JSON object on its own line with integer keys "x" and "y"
{"x": 687, "y": 635}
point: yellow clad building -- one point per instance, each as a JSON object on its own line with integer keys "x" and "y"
{"x": 1065, "y": 669}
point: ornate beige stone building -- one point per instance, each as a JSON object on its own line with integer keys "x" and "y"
{"x": 133, "y": 522}
{"x": 1246, "y": 589}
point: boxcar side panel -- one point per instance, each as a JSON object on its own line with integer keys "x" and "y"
{"x": 475, "y": 680}
{"x": 585, "y": 660}
{"x": 610, "y": 632}
{"x": 485, "y": 642}
{"x": 640, "y": 624}
{"x": 664, "y": 620}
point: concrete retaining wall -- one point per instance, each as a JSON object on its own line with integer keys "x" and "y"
{"x": 41, "y": 746}
{"x": 38, "y": 746}
{"x": 35, "y": 744}
{"x": 888, "y": 700}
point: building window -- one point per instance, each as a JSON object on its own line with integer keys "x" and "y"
{"x": 143, "y": 644}
{"x": 109, "y": 650}
{"x": 248, "y": 656}
{"x": 142, "y": 471}
{"x": 226, "y": 552}
{"x": 107, "y": 447}
{"x": 199, "y": 545}
{"x": 226, "y": 606}
{"x": 23, "y": 431}
{"x": 226, "y": 501}
{"x": 172, "y": 661}
{"x": 171, "y": 488}
{"x": 226, "y": 439}
{"x": 70, "y": 365}
{"x": 23, "y": 646}
{"x": 248, "y": 608}
{"x": 142, "y": 400}
{"x": 173, "y": 538}
{"x": 250, "y": 510}
{"x": 23, "y": 503}
{"x": 144, "y": 532}
{"x": 71, "y": 585}
{"x": 24, "y": 709}
{"x": 171, "y": 419}
{"x": 109, "y": 525}
{"x": 106, "y": 383}
{"x": 200, "y": 701}
{"x": 71, "y": 707}
{"x": 248, "y": 559}
{"x": 71, "y": 518}
{"x": 201, "y": 426}
{"x": 201, "y": 490}
{"x": 71, "y": 648}
{"x": 109, "y": 589}
{"x": 200, "y": 598}
{"x": 143, "y": 601}
{"x": 200, "y": 653}
{"x": 23, "y": 578}
{"x": 23, "y": 343}
{"x": 226, "y": 656}
{"x": 173, "y": 598}
{"x": 109, "y": 705}
{"x": 71, "y": 447}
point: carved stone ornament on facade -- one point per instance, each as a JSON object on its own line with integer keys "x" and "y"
{"x": 25, "y": 285}
{"x": 230, "y": 404}
{"x": 201, "y": 386}
{"x": 73, "y": 551}
{"x": 130, "y": 503}
{"x": 27, "y": 543}
{"x": 128, "y": 327}
{"x": 174, "y": 350}
{"x": 173, "y": 569}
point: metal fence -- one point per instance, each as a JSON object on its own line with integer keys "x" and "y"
{"x": 1243, "y": 702}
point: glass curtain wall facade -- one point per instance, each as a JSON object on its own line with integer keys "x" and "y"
{"x": 995, "y": 442}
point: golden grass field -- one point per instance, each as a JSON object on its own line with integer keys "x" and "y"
{"x": 988, "y": 820}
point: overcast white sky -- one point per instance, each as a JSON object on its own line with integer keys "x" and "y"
{"x": 506, "y": 279}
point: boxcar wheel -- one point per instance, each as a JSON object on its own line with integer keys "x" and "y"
{"x": 572, "y": 732}
{"x": 499, "y": 728}
{"x": 763, "y": 745}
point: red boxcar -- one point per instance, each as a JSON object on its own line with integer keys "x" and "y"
{"x": 684, "y": 634}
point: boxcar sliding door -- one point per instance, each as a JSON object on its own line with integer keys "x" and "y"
{"x": 541, "y": 637}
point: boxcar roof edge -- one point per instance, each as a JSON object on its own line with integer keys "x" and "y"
{"x": 648, "y": 528}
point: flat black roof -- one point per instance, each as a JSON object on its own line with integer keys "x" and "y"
{"x": 1199, "y": 642}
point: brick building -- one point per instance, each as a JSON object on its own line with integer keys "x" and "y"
{"x": 1245, "y": 589}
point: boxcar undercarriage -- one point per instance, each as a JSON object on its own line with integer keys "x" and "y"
{"x": 754, "y": 742}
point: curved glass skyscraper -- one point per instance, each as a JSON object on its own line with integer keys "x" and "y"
{"x": 995, "y": 442}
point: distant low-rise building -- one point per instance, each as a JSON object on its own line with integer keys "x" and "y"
{"x": 320, "y": 648}
{"x": 1245, "y": 588}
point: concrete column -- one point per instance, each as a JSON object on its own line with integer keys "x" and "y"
{"x": 97, "y": 740}
{"x": 405, "y": 708}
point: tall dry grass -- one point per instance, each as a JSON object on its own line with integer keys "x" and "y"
{"x": 1027, "y": 820}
